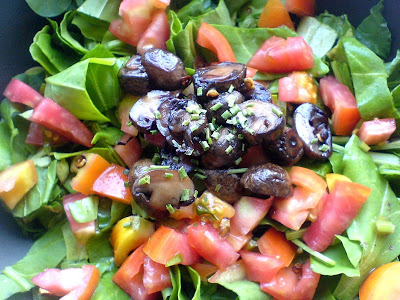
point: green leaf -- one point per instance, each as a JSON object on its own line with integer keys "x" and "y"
{"x": 98, "y": 246}
{"x": 246, "y": 290}
{"x": 75, "y": 250}
{"x": 49, "y": 8}
{"x": 339, "y": 23}
{"x": 109, "y": 135}
{"x": 106, "y": 10}
{"x": 107, "y": 289}
{"x": 84, "y": 210}
{"x": 377, "y": 249}
{"x": 393, "y": 71}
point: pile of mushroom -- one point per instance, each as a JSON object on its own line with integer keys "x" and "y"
{"x": 209, "y": 131}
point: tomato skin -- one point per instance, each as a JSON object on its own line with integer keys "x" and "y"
{"x": 56, "y": 118}
{"x": 129, "y": 149}
{"x": 37, "y": 135}
{"x": 376, "y": 131}
{"x": 204, "y": 269}
{"x": 210, "y": 38}
{"x": 20, "y": 92}
{"x": 274, "y": 15}
{"x": 382, "y": 283}
{"x": 235, "y": 272}
{"x": 277, "y": 55}
{"x": 297, "y": 88}
{"x": 207, "y": 242}
{"x": 111, "y": 184}
{"x": 342, "y": 103}
{"x": 155, "y": 276}
{"x": 156, "y": 34}
{"x": 301, "y": 8}
{"x": 340, "y": 208}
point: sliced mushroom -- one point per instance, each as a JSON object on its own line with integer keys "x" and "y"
{"x": 175, "y": 161}
{"x": 219, "y": 77}
{"x": 166, "y": 71}
{"x": 142, "y": 113}
{"x": 133, "y": 77}
{"x": 312, "y": 126}
{"x": 258, "y": 92}
{"x": 224, "y": 185}
{"x": 223, "y": 102}
{"x": 160, "y": 190}
{"x": 286, "y": 150}
{"x": 224, "y": 150}
{"x": 138, "y": 169}
{"x": 264, "y": 121}
{"x": 267, "y": 180}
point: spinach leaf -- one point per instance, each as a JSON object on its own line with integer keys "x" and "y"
{"x": 339, "y": 23}
{"x": 75, "y": 251}
{"x": 47, "y": 252}
{"x": 66, "y": 34}
{"x": 107, "y": 289}
{"x": 85, "y": 210}
{"x": 382, "y": 203}
{"x": 49, "y": 8}
{"x": 184, "y": 45}
{"x": 98, "y": 246}
{"x": 235, "y": 5}
{"x": 374, "y": 33}
{"x": 91, "y": 28}
{"x": 393, "y": 71}
{"x": 105, "y": 10}
{"x": 106, "y": 153}
{"x": 246, "y": 290}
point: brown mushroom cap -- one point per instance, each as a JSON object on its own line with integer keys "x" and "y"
{"x": 133, "y": 77}
{"x": 224, "y": 185}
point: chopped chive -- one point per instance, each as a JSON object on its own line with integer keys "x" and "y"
{"x": 208, "y": 136}
{"x": 226, "y": 115}
{"x": 129, "y": 123}
{"x": 195, "y": 161}
{"x": 194, "y": 117}
{"x": 249, "y": 104}
{"x": 324, "y": 148}
{"x": 168, "y": 175}
{"x": 189, "y": 151}
{"x": 186, "y": 122}
{"x": 199, "y": 91}
{"x": 232, "y": 121}
{"x": 213, "y": 120}
{"x": 294, "y": 234}
{"x": 194, "y": 128}
{"x": 176, "y": 144}
{"x": 170, "y": 208}
{"x": 240, "y": 136}
{"x": 144, "y": 180}
{"x": 205, "y": 145}
{"x": 243, "y": 147}
{"x": 196, "y": 153}
{"x": 126, "y": 183}
{"x": 242, "y": 119}
{"x": 155, "y": 167}
{"x": 196, "y": 192}
{"x": 249, "y": 112}
{"x": 363, "y": 146}
{"x": 238, "y": 161}
{"x": 216, "y": 106}
{"x": 384, "y": 226}
{"x": 156, "y": 158}
{"x": 215, "y": 135}
{"x": 229, "y": 137}
{"x": 153, "y": 132}
{"x": 200, "y": 176}
{"x": 250, "y": 130}
{"x": 157, "y": 114}
{"x": 237, "y": 171}
{"x": 182, "y": 173}
{"x": 126, "y": 172}
{"x": 230, "y": 100}
{"x": 314, "y": 141}
{"x": 185, "y": 195}
{"x": 211, "y": 126}
{"x": 276, "y": 111}
{"x": 229, "y": 149}
{"x": 324, "y": 259}
{"x": 200, "y": 171}
{"x": 217, "y": 187}
{"x": 231, "y": 88}
{"x": 164, "y": 156}
{"x": 175, "y": 159}
{"x": 235, "y": 109}
{"x": 193, "y": 109}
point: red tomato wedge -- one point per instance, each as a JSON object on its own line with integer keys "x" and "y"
{"x": 129, "y": 149}
{"x": 56, "y": 118}
{"x": 38, "y": 136}
{"x": 156, "y": 34}
{"x": 123, "y": 114}
{"x": 204, "y": 269}
{"x": 111, "y": 184}
{"x": 167, "y": 243}
{"x": 19, "y": 91}
{"x": 210, "y": 38}
{"x": 290, "y": 285}
{"x": 301, "y": 8}
{"x": 249, "y": 211}
{"x": 277, "y": 55}
{"x": 155, "y": 276}
{"x": 376, "y": 131}
{"x": 340, "y": 208}
{"x": 162, "y": 4}
{"x": 342, "y": 103}
{"x": 82, "y": 231}
{"x": 260, "y": 267}
{"x": 274, "y": 15}
{"x": 206, "y": 240}
{"x": 235, "y": 272}
{"x": 73, "y": 283}
{"x": 297, "y": 88}
{"x": 238, "y": 241}
{"x": 274, "y": 243}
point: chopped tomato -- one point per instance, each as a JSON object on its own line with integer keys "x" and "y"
{"x": 333, "y": 178}
{"x": 155, "y": 276}
{"x": 167, "y": 244}
{"x": 123, "y": 114}
{"x": 185, "y": 212}
{"x": 82, "y": 231}
{"x": 129, "y": 149}
{"x": 255, "y": 154}
{"x": 162, "y": 4}
{"x": 297, "y": 88}
{"x": 112, "y": 184}
{"x": 38, "y": 136}
{"x": 73, "y": 283}
{"x": 155, "y": 139}
{"x": 206, "y": 240}
{"x": 56, "y": 118}
{"x": 307, "y": 178}
{"x": 260, "y": 267}
{"x": 382, "y": 283}
{"x": 235, "y": 272}
{"x": 293, "y": 283}
{"x": 342, "y": 103}
{"x": 210, "y": 208}
{"x": 274, "y": 15}
{"x": 238, "y": 241}
{"x": 376, "y": 131}
{"x": 210, "y": 38}
{"x": 274, "y": 243}
{"x": 249, "y": 211}
{"x": 88, "y": 167}
{"x": 156, "y": 34}
{"x": 204, "y": 269}
{"x": 20, "y": 92}
{"x": 250, "y": 72}
{"x": 340, "y": 208}
{"x": 277, "y": 55}
{"x": 301, "y": 8}
{"x": 16, "y": 181}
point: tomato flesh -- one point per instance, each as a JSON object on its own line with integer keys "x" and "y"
{"x": 20, "y": 92}
{"x": 155, "y": 276}
{"x": 376, "y": 131}
{"x": 129, "y": 149}
{"x": 275, "y": 14}
{"x": 301, "y": 8}
{"x": 297, "y": 88}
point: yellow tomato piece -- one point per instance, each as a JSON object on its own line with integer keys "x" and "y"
{"x": 128, "y": 234}
{"x": 213, "y": 208}
{"x": 332, "y": 179}
{"x": 16, "y": 181}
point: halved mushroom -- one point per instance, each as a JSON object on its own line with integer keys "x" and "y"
{"x": 138, "y": 169}
{"x": 156, "y": 189}
{"x": 219, "y": 77}
{"x": 286, "y": 150}
{"x": 263, "y": 121}
{"x": 166, "y": 71}
{"x": 142, "y": 113}
{"x": 267, "y": 180}
{"x": 312, "y": 126}
{"x": 133, "y": 77}
{"x": 258, "y": 92}
{"x": 175, "y": 161}
{"x": 223, "y": 102}
{"x": 224, "y": 185}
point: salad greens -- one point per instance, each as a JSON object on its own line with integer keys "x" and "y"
{"x": 80, "y": 60}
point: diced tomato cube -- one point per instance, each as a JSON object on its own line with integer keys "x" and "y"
{"x": 376, "y": 131}
{"x": 19, "y": 91}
